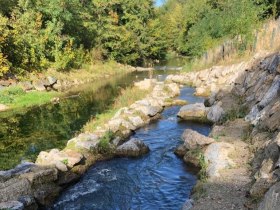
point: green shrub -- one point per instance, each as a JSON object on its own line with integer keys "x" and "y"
{"x": 104, "y": 146}
{"x": 203, "y": 165}
{"x": 8, "y": 95}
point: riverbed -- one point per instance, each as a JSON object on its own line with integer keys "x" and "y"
{"x": 158, "y": 180}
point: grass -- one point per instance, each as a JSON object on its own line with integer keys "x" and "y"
{"x": 126, "y": 97}
{"x": 14, "y": 97}
{"x": 104, "y": 146}
{"x": 233, "y": 114}
{"x": 203, "y": 165}
{"x": 91, "y": 71}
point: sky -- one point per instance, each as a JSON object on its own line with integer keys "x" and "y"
{"x": 159, "y": 2}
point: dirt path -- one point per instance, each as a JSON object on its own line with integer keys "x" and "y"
{"x": 228, "y": 191}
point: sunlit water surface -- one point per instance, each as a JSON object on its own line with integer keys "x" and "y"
{"x": 158, "y": 180}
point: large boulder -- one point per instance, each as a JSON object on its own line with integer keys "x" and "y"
{"x": 194, "y": 140}
{"x": 194, "y": 112}
{"x": 39, "y": 183}
{"x": 217, "y": 158}
{"x": 132, "y": 148}
{"x": 60, "y": 159}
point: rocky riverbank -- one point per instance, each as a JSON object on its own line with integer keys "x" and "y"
{"x": 33, "y": 185}
{"x": 239, "y": 161}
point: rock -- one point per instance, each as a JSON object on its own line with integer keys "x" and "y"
{"x": 18, "y": 170}
{"x": 260, "y": 187}
{"x": 136, "y": 121}
{"x": 145, "y": 84}
{"x": 132, "y": 148}
{"x": 41, "y": 176}
{"x": 46, "y": 194}
{"x": 3, "y": 107}
{"x": 269, "y": 117}
{"x": 14, "y": 188}
{"x": 271, "y": 200}
{"x": 28, "y": 202}
{"x": 174, "y": 102}
{"x": 26, "y": 86}
{"x": 23, "y": 187}
{"x": 217, "y": 158}
{"x": 52, "y": 80}
{"x": 181, "y": 150}
{"x": 188, "y": 204}
{"x": 254, "y": 116}
{"x": 5, "y": 83}
{"x": 210, "y": 100}
{"x": 215, "y": 113}
{"x": 194, "y": 140}
{"x": 61, "y": 159}
{"x": 39, "y": 85}
{"x": 200, "y": 91}
{"x": 84, "y": 141}
{"x": 120, "y": 124}
{"x": 12, "y": 205}
{"x": 265, "y": 170}
{"x": 173, "y": 88}
{"x": 271, "y": 94}
{"x": 192, "y": 158}
{"x": 193, "y": 112}
{"x": 150, "y": 111}
{"x": 277, "y": 139}
{"x": 272, "y": 64}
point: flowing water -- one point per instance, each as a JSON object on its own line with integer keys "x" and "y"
{"x": 158, "y": 180}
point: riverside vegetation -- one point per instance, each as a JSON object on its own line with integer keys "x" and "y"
{"x": 56, "y": 36}
{"x": 37, "y": 35}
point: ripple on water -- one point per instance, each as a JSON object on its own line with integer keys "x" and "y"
{"x": 158, "y": 180}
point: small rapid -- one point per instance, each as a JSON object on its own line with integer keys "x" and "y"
{"x": 158, "y": 180}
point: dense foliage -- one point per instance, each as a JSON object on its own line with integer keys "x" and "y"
{"x": 64, "y": 34}
{"x": 192, "y": 27}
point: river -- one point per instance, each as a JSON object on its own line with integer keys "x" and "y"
{"x": 158, "y": 180}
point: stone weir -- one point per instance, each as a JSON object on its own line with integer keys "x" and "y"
{"x": 36, "y": 185}
{"x": 239, "y": 162}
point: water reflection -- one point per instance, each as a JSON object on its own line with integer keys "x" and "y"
{"x": 24, "y": 133}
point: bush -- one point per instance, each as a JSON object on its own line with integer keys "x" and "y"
{"x": 104, "y": 146}
{"x": 8, "y": 95}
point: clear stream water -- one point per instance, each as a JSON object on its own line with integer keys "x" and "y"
{"x": 24, "y": 133}
{"x": 158, "y": 180}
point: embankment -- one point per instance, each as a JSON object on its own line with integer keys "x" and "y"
{"x": 240, "y": 163}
